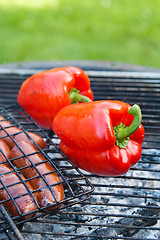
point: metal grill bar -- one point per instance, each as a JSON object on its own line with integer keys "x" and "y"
{"x": 12, "y": 225}
{"x": 79, "y": 236}
{"x": 91, "y": 73}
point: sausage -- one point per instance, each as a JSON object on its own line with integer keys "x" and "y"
{"x": 25, "y": 203}
{"x": 4, "y": 152}
{"x": 18, "y": 135}
{"x": 45, "y": 197}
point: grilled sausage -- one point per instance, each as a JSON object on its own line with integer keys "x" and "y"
{"x": 44, "y": 195}
{"x": 24, "y": 203}
{"x": 4, "y": 152}
{"x": 18, "y": 135}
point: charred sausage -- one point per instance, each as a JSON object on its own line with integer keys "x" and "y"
{"x": 45, "y": 196}
{"x": 24, "y": 203}
{"x": 4, "y": 152}
{"x": 18, "y": 135}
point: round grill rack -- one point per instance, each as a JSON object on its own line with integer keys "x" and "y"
{"x": 125, "y": 207}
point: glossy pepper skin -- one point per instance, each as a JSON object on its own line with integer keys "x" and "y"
{"x": 43, "y": 94}
{"x": 88, "y": 134}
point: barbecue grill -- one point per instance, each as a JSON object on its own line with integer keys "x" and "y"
{"x": 124, "y": 207}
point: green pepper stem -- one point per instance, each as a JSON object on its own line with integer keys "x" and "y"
{"x": 128, "y": 131}
{"x": 76, "y": 97}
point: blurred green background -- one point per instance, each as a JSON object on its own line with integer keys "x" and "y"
{"x": 111, "y": 30}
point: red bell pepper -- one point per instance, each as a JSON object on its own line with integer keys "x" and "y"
{"x": 101, "y": 137}
{"x": 45, "y": 93}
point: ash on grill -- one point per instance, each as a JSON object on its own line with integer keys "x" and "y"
{"x": 125, "y": 207}
{"x": 121, "y": 207}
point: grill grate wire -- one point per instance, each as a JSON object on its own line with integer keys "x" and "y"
{"x": 125, "y": 207}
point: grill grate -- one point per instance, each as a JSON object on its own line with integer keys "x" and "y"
{"x": 125, "y": 207}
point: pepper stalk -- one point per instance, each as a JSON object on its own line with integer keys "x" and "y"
{"x": 76, "y": 97}
{"x": 122, "y": 133}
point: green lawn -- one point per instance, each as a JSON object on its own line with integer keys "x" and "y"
{"x": 112, "y": 30}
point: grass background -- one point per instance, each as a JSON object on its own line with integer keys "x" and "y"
{"x": 111, "y": 30}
